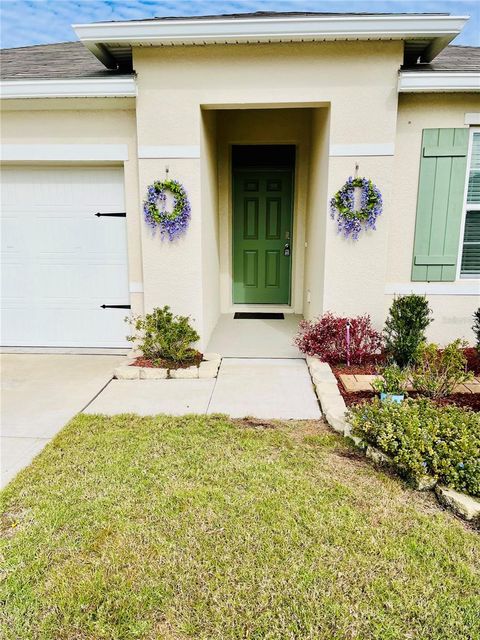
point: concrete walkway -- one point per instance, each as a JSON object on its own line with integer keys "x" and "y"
{"x": 259, "y": 387}
{"x": 39, "y": 394}
{"x": 263, "y": 388}
{"x": 42, "y": 392}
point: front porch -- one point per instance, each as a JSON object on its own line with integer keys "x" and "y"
{"x": 263, "y": 232}
{"x": 255, "y": 338}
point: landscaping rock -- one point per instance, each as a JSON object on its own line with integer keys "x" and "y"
{"x": 463, "y": 505}
{"x": 212, "y": 357}
{"x": 189, "y": 372}
{"x": 425, "y": 483}
{"x": 336, "y": 419}
{"x": 323, "y": 376}
{"x": 326, "y": 388}
{"x": 208, "y": 369}
{"x": 153, "y": 373}
{"x": 331, "y": 402}
{"x": 126, "y": 373}
{"x": 378, "y": 456}
{"x": 320, "y": 367}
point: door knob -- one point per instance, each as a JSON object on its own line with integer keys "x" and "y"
{"x": 286, "y": 249}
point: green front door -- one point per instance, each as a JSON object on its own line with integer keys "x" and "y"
{"x": 262, "y": 236}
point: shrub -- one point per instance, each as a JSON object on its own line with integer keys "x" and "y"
{"x": 326, "y": 338}
{"x": 161, "y": 335}
{"x": 437, "y": 371}
{"x": 394, "y": 380}
{"x": 424, "y": 439}
{"x": 476, "y": 328}
{"x": 405, "y": 328}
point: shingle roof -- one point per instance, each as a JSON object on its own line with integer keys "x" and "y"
{"x": 74, "y": 60}
{"x": 452, "y": 58}
{"x": 279, "y": 14}
{"x": 63, "y": 60}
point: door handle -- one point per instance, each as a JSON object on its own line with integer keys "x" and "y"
{"x": 286, "y": 249}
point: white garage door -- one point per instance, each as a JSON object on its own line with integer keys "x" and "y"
{"x": 60, "y": 261}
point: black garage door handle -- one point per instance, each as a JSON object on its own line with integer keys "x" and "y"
{"x": 115, "y": 306}
{"x": 112, "y": 215}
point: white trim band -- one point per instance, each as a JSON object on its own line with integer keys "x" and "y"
{"x": 64, "y": 152}
{"x": 381, "y": 149}
{"x": 472, "y": 118}
{"x": 458, "y": 288}
{"x": 169, "y": 151}
{"x": 438, "y": 81}
{"x": 121, "y": 87}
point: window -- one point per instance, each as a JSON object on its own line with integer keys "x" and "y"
{"x": 470, "y": 264}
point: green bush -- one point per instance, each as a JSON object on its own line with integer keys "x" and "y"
{"x": 394, "y": 380}
{"x": 437, "y": 371}
{"x": 424, "y": 438}
{"x": 476, "y": 328}
{"x": 161, "y": 335}
{"x": 405, "y": 326}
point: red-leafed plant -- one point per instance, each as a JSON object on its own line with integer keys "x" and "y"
{"x": 326, "y": 338}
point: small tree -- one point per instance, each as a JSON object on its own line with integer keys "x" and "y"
{"x": 476, "y": 328}
{"x": 405, "y": 326}
{"x": 438, "y": 371}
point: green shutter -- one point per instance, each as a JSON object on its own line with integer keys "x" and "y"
{"x": 441, "y": 190}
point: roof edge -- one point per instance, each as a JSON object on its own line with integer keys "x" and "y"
{"x": 438, "y": 29}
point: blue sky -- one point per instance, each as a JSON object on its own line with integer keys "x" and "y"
{"x": 26, "y": 22}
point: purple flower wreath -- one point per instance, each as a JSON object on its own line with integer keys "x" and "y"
{"x": 351, "y": 221}
{"x": 174, "y": 223}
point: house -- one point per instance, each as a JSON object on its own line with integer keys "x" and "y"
{"x": 261, "y": 118}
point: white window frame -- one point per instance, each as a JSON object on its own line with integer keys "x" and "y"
{"x": 467, "y": 207}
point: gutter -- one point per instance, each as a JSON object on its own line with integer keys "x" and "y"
{"x": 438, "y": 81}
{"x": 119, "y": 87}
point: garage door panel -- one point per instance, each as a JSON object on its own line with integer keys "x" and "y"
{"x": 59, "y": 327}
{"x": 61, "y": 262}
{"x": 17, "y": 283}
{"x": 55, "y": 235}
{"x": 54, "y": 281}
{"x": 11, "y": 237}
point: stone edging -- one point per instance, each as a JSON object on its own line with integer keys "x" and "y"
{"x": 207, "y": 369}
{"x": 334, "y": 409}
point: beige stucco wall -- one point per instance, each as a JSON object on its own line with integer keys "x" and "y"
{"x": 313, "y": 294}
{"x": 210, "y": 224}
{"x": 452, "y": 313}
{"x": 85, "y": 121}
{"x": 175, "y": 84}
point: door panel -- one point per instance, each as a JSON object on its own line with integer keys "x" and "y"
{"x": 60, "y": 262}
{"x": 262, "y": 226}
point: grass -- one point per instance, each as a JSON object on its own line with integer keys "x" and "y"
{"x": 207, "y": 528}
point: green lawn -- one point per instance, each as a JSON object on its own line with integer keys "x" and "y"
{"x": 205, "y": 528}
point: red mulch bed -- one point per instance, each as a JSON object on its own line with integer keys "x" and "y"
{"x": 355, "y": 369}
{"x": 168, "y": 364}
{"x": 467, "y": 400}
